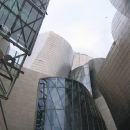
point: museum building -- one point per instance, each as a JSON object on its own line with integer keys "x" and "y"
{"x": 50, "y": 95}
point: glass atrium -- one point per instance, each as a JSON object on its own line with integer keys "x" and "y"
{"x": 65, "y": 104}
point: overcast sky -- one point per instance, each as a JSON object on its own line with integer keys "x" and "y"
{"x": 85, "y": 24}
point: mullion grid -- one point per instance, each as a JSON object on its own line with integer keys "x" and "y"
{"x": 39, "y": 111}
{"x": 54, "y": 110}
{"x": 59, "y": 94}
{"x": 8, "y": 10}
{"x": 72, "y": 106}
{"x": 48, "y": 120}
{"x": 80, "y": 107}
{"x": 99, "y": 116}
{"x": 46, "y": 112}
{"x": 91, "y": 111}
{"x": 54, "y": 103}
{"x": 66, "y": 110}
{"x": 69, "y": 110}
{"x": 70, "y": 119}
{"x": 17, "y": 17}
{"x": 78, "y": 112}
{"x": 43, "y": 4}
{"x": 85, "y": 109}
{"x": 96, "y": 120}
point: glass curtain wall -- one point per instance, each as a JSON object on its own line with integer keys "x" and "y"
{"x": 65, "y": 104}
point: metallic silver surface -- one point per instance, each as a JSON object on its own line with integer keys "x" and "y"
{"x": 80, "y": 60}
{"x": 113, "y": 79}
{"x": 86, "y": 75}
{"x": 120, "y": 28}
{"x": 94, "y": 68}
{"x": 123, "y": 6}
{"x": 81, "y": 74}
{"x": 54, "y": 58}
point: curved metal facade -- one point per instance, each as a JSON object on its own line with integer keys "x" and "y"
{"x": 84, "y": 73}
{"x": 114, "y": 77}
{"x": 54, "y": 58}
{"x": 122, "y": 6}
{"x": 120, "y": 28}
{"x": 80, "y": 60}
{"x": 65, "y": 104}
{"x": 94, "y": 68}
{"x": 81, "y": 74}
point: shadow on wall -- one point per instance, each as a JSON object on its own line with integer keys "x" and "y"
{"x": 94, "y": 68}
{"x": 61, "y": 73}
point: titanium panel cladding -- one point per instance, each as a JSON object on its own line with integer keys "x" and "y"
{"x": 94, "y": 68}
{"x": 80, "y": 60}
{"x": 114, "y": 78}
{"x": 55, "y": 56}
{"x": 123, "y": 6}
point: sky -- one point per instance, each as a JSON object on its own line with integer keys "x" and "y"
{"x": 84, "y": 24}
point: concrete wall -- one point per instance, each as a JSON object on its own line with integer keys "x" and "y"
{"x": 19, "y": 109}
{"x": 2, "y": 124}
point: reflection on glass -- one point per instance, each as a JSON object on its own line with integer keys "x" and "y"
{"x": 60, "y": 82}
{"x": 21, "y": 20}
{"x": 66, "y": 106}
{"x": 82, "y": 75}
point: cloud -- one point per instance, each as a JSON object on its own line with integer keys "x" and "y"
{"x": 82, "y": 23}
{"x": 87, "y": 41}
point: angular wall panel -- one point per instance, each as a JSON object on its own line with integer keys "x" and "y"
{"x": 113, "y": 79}
{"x": 54, "y": 56}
